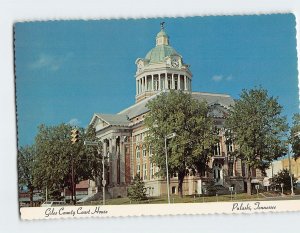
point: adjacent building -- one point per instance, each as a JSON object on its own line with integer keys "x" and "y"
{"x": 123, "y": 133}
{"x": 291, "y": 165}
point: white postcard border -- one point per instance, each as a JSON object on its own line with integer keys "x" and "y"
{"x": 245, "y": 207}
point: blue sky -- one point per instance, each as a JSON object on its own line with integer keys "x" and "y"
{"x": 67, "y": 70}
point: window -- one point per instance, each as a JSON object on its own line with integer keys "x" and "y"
{"x": 150, "y": 151}
{"x": 151, "y": 171}
{"x": 149, "y": 84}
{"x": 138, "y": 170}
{"x": 137, "y": 152}
{"x": 145, "y": 171}
{"x": 173, "y": 189}
{"x": 175, "y": 84}
{"x": 243, "y": 169}
{"x": 169, "y": 82}
{"x": 230, "y": 169}
{"x": 217, "y": 149}
{"x": 144, "y": 151}
{"x": 229, "y": 147}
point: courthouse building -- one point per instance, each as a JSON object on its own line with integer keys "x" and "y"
{"x": 123, "y": 133}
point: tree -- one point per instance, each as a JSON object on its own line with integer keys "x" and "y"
{"x": 137, "y": 191}
{"x": 294, "y": 136}
{"x": 26, "y": 156}
{"x": 283, "y": 177}
{"x": 177, "y": 112}
{"x": 255, "y": 124}
{"x": 58, "y": 161}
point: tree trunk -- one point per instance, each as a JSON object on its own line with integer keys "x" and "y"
{"x": 249, "y": 181}
{"x": 31, "y": 197}
{"x": 180, "y": 182}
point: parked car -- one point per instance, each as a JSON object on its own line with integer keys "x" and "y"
{"x": 53, "y": 203}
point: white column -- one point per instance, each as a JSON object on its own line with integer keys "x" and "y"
{"x": 159, "y": 84}
{"x": 166, "y": 81}
{"x": 142, "y": 82}
{"x": 111, "y": 157}
{"x": 185, "y": 87}
{"x": 122, "y": 161}
{"x": 114, "y": 160}
{"x": 105, "y": 153}
{"x": 152, "y": 83}
{"x": 146, "y": 84}
{"x": 173, "y": 82}
{"x": 178, "y": 81}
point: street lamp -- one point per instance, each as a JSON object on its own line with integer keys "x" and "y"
{"x": 169, "y": 136}
{"x": 281, "y": 185}
{"x": 297, "y": 134}
{"x": 257, "y": 188}
{"x": 290, "y": 171}
{"x": 231, "y": 190}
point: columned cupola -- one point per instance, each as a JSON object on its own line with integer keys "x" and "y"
{"x": 162, "y": 69}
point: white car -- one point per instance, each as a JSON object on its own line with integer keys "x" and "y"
{"x": 53, "y": 203}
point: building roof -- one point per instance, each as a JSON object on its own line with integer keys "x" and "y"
{"x": 137, "y": 109}
{"x": 115, "y": 119}
{"x": 84, "y": 184}
{"x": 211, "y": 99}
{"x": 214, "y": 98}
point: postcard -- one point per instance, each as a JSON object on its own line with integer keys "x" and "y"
{"x": 161, "y": 116}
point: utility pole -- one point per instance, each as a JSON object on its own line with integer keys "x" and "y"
{"x": 73, "y": 181}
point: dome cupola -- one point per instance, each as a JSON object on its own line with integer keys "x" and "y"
{"x": 162, "y": 69}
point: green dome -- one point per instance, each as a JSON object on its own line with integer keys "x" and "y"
{"x": 158, "y": 53}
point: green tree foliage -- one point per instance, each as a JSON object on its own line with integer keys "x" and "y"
{"x": 56, "y": 155}
{"x": 283, "y": 177}
{"x": 295, "y": 136}
{"x": 177, "y": 112}
{"x": 255, "y": 124}
{"x": 26, "y": 156}
{"x": 137, "y": 191}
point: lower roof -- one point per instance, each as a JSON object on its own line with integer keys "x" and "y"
{"x": 123, "y": 117}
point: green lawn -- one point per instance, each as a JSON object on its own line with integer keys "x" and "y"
{"x": 177, "y": 199}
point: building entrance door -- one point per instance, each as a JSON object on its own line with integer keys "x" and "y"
{"x": 218, "y": 173}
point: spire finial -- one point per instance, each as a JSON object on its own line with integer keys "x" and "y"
{"x": 162, "y": 27}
